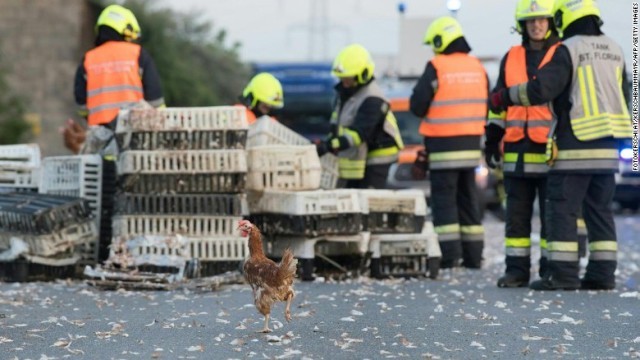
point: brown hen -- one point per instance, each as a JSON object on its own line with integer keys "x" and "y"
{"x": 269, "y": 281}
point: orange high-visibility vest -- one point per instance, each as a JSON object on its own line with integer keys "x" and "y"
{"x": 459, "y": 106}
{"x": 113, "y": 80}
{"x": 536, "y": 119}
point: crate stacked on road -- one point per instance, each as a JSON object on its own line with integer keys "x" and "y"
{"x": 19, "y": 168}
{"x": 266, "y": 132}
{"x": 181, "y": 174}
{"x": 51, "y": 230}
{"x": 402, "y": 241}
{"x": 77, "y": 176}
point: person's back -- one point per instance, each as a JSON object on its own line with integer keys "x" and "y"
{"x": 450, "y": 98}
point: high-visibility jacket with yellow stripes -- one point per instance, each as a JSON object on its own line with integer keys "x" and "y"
{"x": 353, "y": 160}
{"x": 113, "y": 80}
{"x": 598, "y": 108}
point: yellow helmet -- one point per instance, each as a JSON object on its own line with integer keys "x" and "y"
{"x": 442, "y": 32}
{"x": 121, "y": 20}
{"x": 567, "y": 11}
{"x": 265, "y": 88}
{"x": 533, "y": 9}
{"x": 354, "y": 61}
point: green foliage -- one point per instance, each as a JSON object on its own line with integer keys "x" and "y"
{"x": 196, "y": 65}
{"x": 13, "y": 127}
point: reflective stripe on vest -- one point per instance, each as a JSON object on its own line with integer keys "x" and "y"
{"x": 454, "y": 159}
{"x": 459, "y": 106}
{"x": 535, "y": 119}
{"x": 601, "y": 159}
{"x": 113, "y": 80}
{"x": 598, "y": 109}
{"x": 352, "y": 161}
{"x": 533, "y": 162}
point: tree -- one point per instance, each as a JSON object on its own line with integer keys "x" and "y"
{"x": 13, "y": 127}
{"x": 196, "y": 65}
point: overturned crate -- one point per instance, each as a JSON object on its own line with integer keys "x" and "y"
{"x": 307, "y": 213}
{"x": 201, "y": 128}
{"x": 394, "y": 211}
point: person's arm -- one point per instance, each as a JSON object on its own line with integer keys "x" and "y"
{"x": 424, "y": 91}
{"x": 493, "y": 118}
{"x": 626, "y": 88}
{"x": 80, "y": 90}
{"x": 150, "y": 80}
{"x": 550, "y": 81}
{"x": 369, "y": 117}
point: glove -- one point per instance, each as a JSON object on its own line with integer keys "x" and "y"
{"x": 492, "y": 155}
{"x": 499, "y": 101}
{"x": 321, "y": 147}
{"x": 420, "y": 166}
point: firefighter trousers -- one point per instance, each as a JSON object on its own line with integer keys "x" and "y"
{"x": 456, "y": 217}
{"x": 375, "y": 177}
{"x": 521, "y": 196}
{"x": 566, "y": 193}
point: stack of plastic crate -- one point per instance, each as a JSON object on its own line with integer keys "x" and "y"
{"x": 19, "y": 168}
{"x": 44, "y": 229}
{"x": 181, "y": 174}
{"x": 402, "y": 240}
{"x": 292, "y": 196}
{"x": 268, "y": 132}
{"x": 76, "y": 176}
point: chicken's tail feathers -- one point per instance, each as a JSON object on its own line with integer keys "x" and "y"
{"x": 288, "y": 264}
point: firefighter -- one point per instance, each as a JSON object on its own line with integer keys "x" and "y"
{"x": 262, "y": 94}
{"x": 115, "y": 74}
{"x": 585, "y": 80}
{"x": 451, "y": 98}
{"x": 524, "y": 131}
{"x": 364, "y": 132}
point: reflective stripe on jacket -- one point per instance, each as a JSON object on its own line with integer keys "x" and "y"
{"x": 352, "y": 161}
{"x": 599, "y": 109}
{"x": 459, "y": 106}
{"x": 534, "y": 120}
{"x": 113, "y": 80}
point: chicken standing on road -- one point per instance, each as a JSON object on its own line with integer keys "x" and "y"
{"x": 269, "y": 281}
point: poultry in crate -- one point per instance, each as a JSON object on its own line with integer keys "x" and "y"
{"x": 270, "y": 281}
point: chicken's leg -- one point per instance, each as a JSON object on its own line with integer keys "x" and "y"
{"x": 266, "y": 325}
{"x": 287, "y": 309}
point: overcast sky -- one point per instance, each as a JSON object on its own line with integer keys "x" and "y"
{"x": 278, "y": 30}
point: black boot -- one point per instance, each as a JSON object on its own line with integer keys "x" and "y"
{"x": 551, "y": 284}
{"x": 509, "y": 280}
{"x": 586, "y": 284}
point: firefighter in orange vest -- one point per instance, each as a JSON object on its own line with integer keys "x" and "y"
{"x": 261, "y": 96}
{"x": 524, "y": 131}
{"x": 451, "y": 98}
{"x": 117, "y": 72}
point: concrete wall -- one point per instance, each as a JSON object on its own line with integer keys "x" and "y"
{"x": 41, "y": 44}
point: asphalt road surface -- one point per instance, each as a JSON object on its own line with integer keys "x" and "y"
{"x": 463, "y": 315}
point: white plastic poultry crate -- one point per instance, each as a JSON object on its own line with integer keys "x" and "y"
{"x": 182, "y": 119}
{"x": 180, "y": 162}
{"x": 184, "y": 225}
{"x": 159, "y": 250}
{"x": 315, "y": 202}
{"x": 330, "y": 172}
{"x": 81, "y": 238}
{"x": 394, "y": 201}
{"x": 77, "y": 176}
{"x": 20, "y": 166}
{"x": 267, "y": 131}
{"x": 218, "y": 249}
{"x": 283, "y": 168}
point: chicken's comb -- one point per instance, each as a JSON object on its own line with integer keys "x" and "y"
{"x": 244, "y": 222}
